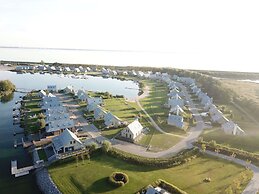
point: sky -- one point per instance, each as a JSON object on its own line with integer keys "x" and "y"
{"x": 200, "y": 34}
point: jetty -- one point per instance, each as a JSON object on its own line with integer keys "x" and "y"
{"x": 17, "y": 172}
{"x": 21, "y": 171}
{"x": 23, "y": 143}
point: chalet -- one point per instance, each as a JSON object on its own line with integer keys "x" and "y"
{"x": 231, "y": 128}
{"x": 206, "y": 99}
{"x": 83, "y": 96}
{"x": 42, "y": 93}
{"x": 50, "y": 98}
{"x": 52, "y": 88}
{"x": 124, "y": 73}
{"x": 177, "y": 110}
{"x": 133, "y": 130}
{"x": 175, "y": 120}
{"x": 58, "y": 126}
{"x": 174, "y": 102}
{"x": 67, "y": 69}
{"x": 56, "y": 110}
{"x": 176, "y": 96}
{"x": 77, "y": 70}
{"x": 69, "y": 90}
{"x": 91, "y": 107}
{"x": 99, "y": 113}
{"x": 56, "y": 116}
{"x": 51, "y": 104}
{"x": 95, "y": 100}
{"x": 67, "y": 141}
{"x": 111, "y": 120}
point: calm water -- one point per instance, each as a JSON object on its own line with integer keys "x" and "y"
{"x": 40, "y": 81}
{"x": 9, "y": 184}
{"x": 27, "y": 184}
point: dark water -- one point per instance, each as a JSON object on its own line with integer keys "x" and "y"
{"x": 9, "y": 184}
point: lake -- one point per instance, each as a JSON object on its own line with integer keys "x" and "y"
{"x": 27, "y": 184}
{"x": 40, "y": 81}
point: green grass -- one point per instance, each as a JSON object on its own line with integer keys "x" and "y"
{"x": 120, "y": 108}
{"x": 91, "y": 176}
{"x": 110, "y": 133}
{"x": 31, "y": 103}
{"x": 154, "y": 105}
{"x": 42, "y": 155}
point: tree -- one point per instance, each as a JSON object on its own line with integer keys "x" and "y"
{"x": 6, "y": 86}
{"x": 106, "y": 146}
{"x": 93, "y": 147}
{"x": 41, "y": 116}
{"x": 203, "y": 147}
{"x": 41, "y": 123}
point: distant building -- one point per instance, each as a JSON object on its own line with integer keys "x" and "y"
{"x": 42, "y": 93}
{"x": 52, "y": 88}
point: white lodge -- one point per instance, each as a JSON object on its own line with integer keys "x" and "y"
{"x": 133, "y": 130}
{"x": 66, "y": 142}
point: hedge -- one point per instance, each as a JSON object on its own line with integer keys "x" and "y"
{"x": 241, "y": 154}
{"x": 181, "y": 158}
{"x": 118, "y": 183}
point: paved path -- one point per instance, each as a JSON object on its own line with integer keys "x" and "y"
{"x": 154, "y": 123}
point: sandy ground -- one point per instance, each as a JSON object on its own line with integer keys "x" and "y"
{"x": 144, "y": 95}
{"x": 5, "y": 68}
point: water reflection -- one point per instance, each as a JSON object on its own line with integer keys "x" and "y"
{"x": 7, "y": 97}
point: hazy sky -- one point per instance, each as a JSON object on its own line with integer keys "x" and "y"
{"x": 222, "y": 34}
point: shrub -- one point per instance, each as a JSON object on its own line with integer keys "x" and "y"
{"x": 118, "y": 179}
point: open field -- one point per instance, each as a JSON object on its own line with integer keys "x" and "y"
{"x": 91, "y": 176}
{"x": 243, "y": 89}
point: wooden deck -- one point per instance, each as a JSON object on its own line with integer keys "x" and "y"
{"x": 21, "y": 171}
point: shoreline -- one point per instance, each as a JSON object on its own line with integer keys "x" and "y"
{"x": 143, "y": 95}
{"x": 6, "y": 68}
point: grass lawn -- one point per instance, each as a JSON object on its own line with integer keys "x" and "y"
{"x": 31, "y": 103}
{"x": 42, "y": 155}
{"x": 120, "y": 108}
{"x": 154, "y": 105}
{"x": 158, "y": 141}
{"x": 91, "y": 176}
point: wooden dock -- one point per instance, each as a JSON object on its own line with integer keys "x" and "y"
{"x": 23, "y": 143}
{"x": 21, "y": 171}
